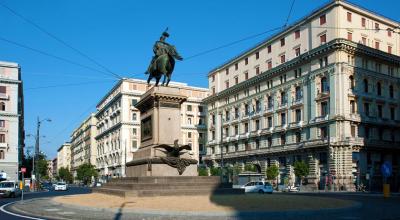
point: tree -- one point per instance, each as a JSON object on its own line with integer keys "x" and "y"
{"x": 301, "y": 170}
{"x": 85, "y": 172}
{"x": 202, "y": 171}
{"x": 64, "y": 174}
{"x": 215, "y": 171}
{"x": 272, "y": 172}
{"x": 250, "y": 167}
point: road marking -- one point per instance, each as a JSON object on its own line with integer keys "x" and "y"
{"x": 52, "y": 210}
{"x": 18, "y": 215}
{"x": 66, "y": 213}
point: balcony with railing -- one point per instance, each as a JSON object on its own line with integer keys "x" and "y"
{"x": 282, "y": 106}
{"x": 297, "y": 101}
{"x": 269, "y": 109}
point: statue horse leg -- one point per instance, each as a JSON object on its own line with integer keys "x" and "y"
{"x": 165, "y": 75}
{"x": 149, "y": 79}
{"x": 158, "y": 79}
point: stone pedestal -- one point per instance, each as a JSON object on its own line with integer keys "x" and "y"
{"x": 160, "y": 115}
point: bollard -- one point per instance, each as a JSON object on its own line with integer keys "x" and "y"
{"x": 386, "y": 190}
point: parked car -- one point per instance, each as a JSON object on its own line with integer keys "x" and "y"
{"x": 258, "y": 186}
{"x": 9, "y": 189}
{"x": 60, "y": 186}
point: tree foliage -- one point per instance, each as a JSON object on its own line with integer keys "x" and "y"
{"x": 215, "y": 171}
{"x": 250, "y": 167}
{"x": 64, "y": 174}
{"x": 85, "y": 172}
{"x": 301, "y": 169}
{"x": 202, "y": 171}
{"x": 272, "y": 172}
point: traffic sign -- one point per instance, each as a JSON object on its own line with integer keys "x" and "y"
{"x": 23, "y": 169}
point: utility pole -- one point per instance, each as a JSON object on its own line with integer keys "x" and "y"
{"x": 36, "y": 156}
{"x": 221, "y": 141}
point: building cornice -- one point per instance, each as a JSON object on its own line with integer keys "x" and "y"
{"x": 336, "y": 44}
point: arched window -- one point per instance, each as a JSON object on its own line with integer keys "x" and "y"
{"x": 324, "y": 85}
{"x": 379, "y": 88}
{"x": 351, "y": 79}
{"x": 391, "y": 92}
{"x": 2, "y": 155}
{"x": 365, "y": 85}
{"x": 2, "y": 106}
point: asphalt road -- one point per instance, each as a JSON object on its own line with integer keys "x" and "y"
{"x": 71, "y": 191}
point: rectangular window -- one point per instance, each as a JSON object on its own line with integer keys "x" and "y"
{"x": 282, "y": 58}
{"x": 377, "y": 26}
{"x": 298, "y": 115}
{"x": 324, "y": 109}
{"x": 353, "y": 130}
{"x": 377, "y": 45}
{"x": 348, "y": 16}
{"x": 349, "y": 36}
{"x": 269, "y": 141}
{"x": 297, "y": 51}
{"x": 236, "y": 66}
{"x": 236, "y": 80}
{"x": 2, "y": 138}
{"x": 322, "y": 38}
{"x": 3, "y": 90}
{"x": 352, "y": 106}
{"x": 363, "y": 22}
{"x": 282, "y": 42}
{"x": 213, "y": 78}
{"x": 236, "y": 129}
{"x": 269, "y": 65}
{"x": 257, "y": 125}
{"x": 392, "y": 113}
{"x": 257, "y": 70}
{"x": 246, "y": 75}
{"x": 270, "y": 122}
{"x": 227, "y": 71}
{"x": 246, "y": 127}
{"x": 389, "y": 32}
{"x": 134, "y": 116}
{"x": 227, "y": 84}
{"x": 366, "y": 109}
{"x": 283, "y": 139}
{"x": 322, "y": 19}
{"x": 389, "y": 49}
{"x": 2, "y": 123}
{"x": 283, "y": 118}
{"x": 380, "y": 111}
{"x": 257, "y": 55}
{"x": 297, "y": 34}
{"x": 269, "y": 48}
{"x": 364, "y": 40}
{"x": 189, "y": 134}
{"x": 134, "y": 101}
{"x": 324, "y": 133}
{"x": 246, "y": 61}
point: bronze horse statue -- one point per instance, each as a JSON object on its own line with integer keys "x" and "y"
{"x": 163, "y": 65}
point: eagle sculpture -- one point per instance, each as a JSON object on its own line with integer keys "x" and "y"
{"x": 174, "y": 151}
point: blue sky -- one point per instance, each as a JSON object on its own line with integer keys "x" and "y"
{"x": 120, "y": 36}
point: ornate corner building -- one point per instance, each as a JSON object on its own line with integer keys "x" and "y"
{"x": 12, "y": 131}
{"x": 325, "y": 90}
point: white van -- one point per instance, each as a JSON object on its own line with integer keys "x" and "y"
{"x": 9, "y": 189}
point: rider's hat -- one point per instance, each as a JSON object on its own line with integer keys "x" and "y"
{"x": 165, "y": 34}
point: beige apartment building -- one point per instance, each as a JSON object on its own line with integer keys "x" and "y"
{"x": 12, "y": 131}
{"x": 64, "y": 156}
{"x": 83, "y": 144}
{"x": 324, "y": 90}
{"x": 118, "y": 124}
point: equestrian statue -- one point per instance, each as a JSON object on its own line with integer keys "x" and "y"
{"x": 163, "y": 61}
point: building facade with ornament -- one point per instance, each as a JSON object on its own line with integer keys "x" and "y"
{"x": 324, "y": 90}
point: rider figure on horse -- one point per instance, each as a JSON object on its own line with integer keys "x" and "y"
{"x": 163, "y": 61}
